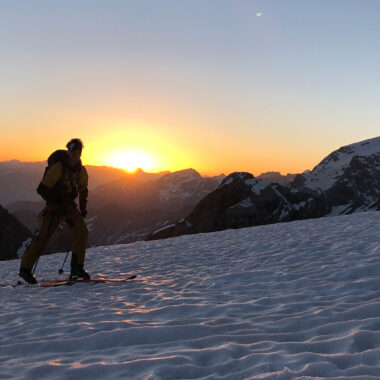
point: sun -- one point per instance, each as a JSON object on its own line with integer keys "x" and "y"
{"x": 131, "y": 160}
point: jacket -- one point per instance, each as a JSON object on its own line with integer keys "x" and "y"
{"x": 61, "y": 185}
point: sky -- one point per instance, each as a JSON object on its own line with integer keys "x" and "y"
{"x": 214, "y": 85}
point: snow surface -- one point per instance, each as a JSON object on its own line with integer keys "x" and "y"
{"x": 257, "y": 185}
{"x": 298, "y": 300}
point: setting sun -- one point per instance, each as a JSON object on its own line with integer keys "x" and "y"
{"x": 131, "y": 160}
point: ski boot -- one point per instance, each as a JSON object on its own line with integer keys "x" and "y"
{"x": 27, "y": 276}
{"x": 77, "y": 270}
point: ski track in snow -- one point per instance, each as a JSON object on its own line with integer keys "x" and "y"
{"x": 298, "y": 300}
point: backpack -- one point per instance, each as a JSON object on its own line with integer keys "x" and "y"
{"x": 57, "y": 156}
{"x": 60, "y": 156}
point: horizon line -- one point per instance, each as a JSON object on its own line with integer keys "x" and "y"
{"x": 202, "y": 173}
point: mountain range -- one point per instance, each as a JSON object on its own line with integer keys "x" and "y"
{"x": 346, "y": 181}
{"x": 125, "y": 211}
{"x": 19, "y": 180}
{"x": 126, "y": 207}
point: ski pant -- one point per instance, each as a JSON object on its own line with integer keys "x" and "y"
{"x": 49, "y": 224}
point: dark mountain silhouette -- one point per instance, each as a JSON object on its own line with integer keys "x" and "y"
{"x": 242, "y": 201}
{"x": 346, "y": 181}
{"x": 12, "y": 235}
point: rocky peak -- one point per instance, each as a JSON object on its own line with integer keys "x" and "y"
{"x": 180, "y": 176}
{"x": 349, "y": 177}
{"x": 242, "y": 200}
{"x": 12, "y": 235}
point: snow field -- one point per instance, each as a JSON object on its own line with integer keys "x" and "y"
{"x": 296, "y": 300}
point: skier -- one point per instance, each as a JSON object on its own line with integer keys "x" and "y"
{"x": 61, "y": 184}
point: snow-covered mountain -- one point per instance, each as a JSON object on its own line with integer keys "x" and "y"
{"x": 127, "y": 211}
{"x": 242, "y": 200}
{"x": 298, "y": 300}
{"x": 349, "y": 177}
{"x": 185, "y": 187}
{"x": 346, "y": 181}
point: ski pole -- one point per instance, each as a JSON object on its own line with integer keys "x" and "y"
{"x": 60, "y": 271}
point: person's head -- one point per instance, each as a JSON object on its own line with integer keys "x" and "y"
{"x": 74, "y": 149}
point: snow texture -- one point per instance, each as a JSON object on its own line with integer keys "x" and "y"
{"x": 298, "y": 300}
{"x": 257, "y": 185}
{"x": 325, "y": 173}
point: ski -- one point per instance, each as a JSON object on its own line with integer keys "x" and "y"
{"x": 11, "y": 284}
{"x": 66, "y": 281}
{"x": 91, "y": 280}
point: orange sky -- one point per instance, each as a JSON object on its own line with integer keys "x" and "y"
{"x": 212, "y": 143}
{"x": 161, "y": 147}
